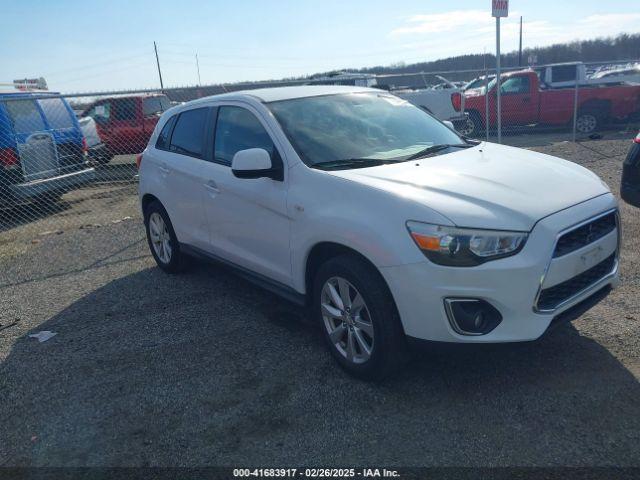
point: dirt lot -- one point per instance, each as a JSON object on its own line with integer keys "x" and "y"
{"x": 206, "y": 369}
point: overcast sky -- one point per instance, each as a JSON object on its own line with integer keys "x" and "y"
{"x": 89, "y": 45}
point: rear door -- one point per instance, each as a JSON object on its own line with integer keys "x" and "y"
{"x": 35, "y": 144}
{"x": 179, "y": 158}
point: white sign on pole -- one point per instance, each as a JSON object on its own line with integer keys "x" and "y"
{"x": 500, "y": 8}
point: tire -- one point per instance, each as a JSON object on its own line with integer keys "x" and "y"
{"x": 162, "y": 240}
{"x": 588, "y": 122}
{"x": 375, "y": 325}
{"x": 472, "y": 126}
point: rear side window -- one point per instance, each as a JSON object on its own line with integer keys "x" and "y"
{"x": 564, "y": 73}
{"x": 25, "y": 116}
{"x": 155, "y": 105}
{"x": 238, "y": 129}
{"x": 56, "y": 113}
{"x": 163, "y": 139}
{"x": 125, "y": 109}
{"x": 188, "y": 134}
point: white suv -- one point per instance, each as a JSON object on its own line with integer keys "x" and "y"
{"x": 383, "y": 220}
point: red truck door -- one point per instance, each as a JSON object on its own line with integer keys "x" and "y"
{"x": 519, "y": 100}
{"x": 127, "y": 125}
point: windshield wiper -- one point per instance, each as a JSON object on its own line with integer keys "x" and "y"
{"x": 350, "y": 163}
{"x": 436, "y": 148}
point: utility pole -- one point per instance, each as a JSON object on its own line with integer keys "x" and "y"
{"x": 198, "y": 67}
{"x": 520, "y": 49}
{"x": 155, "y": 47}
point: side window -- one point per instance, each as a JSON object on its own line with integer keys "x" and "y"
{"x": 56, "y": 113}
{"x": 125, "y": 109}
{"x": 515, "y": 85}
{"x": 25, "y": 116}
{"x": 238, "y": 129}
{"x": 154, "y": 105}
{"x": 101, "y": 113}
{"x": 188, "y": 134}
{"x": 564, "y": 73}
{"x": 163, "y": 139}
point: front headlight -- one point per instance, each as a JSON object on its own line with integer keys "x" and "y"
{"x": 464, "y": 247}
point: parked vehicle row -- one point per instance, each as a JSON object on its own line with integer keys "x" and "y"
{"x": 387, "y": 224}
{"x": 524, "y": 102}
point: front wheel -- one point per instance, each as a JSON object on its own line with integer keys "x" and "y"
{"x": 472, "y": 126}
{"x": 358, "y": 317}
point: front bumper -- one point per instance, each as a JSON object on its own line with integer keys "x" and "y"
{"x": 511, "y": 285}
{"x": 27, "y": 191}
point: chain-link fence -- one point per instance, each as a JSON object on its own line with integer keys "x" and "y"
{"x": 64, "y": 154}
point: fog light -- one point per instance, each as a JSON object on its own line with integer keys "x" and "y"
{"x": 471, "y": 316}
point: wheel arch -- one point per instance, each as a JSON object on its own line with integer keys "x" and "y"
{"x": 147, "y": 199}
{"x": 596, "y": 106}
{"x": 320, "y": 253}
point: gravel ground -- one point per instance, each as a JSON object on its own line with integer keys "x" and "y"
{"x": 206, "y": 369}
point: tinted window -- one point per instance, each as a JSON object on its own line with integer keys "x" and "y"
{"x": 154, "y": 105}
{"x": 564, "y": 73}
{"x": 188, "y": 134}
{"x": 56, "y": 113}
{"x": 25, "y": 116}
{"x": 238, "y": 129}
{"x": 125, "y": 109}
{"x": 515, "y": 85}
{"x": 163, "y": 139}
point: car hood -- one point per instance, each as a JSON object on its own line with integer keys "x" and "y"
{"x": 487, "y": 186}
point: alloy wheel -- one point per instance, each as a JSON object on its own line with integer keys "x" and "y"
{"x": 586, "y": 123}
{"x": 160, "y": 237}
{"x": 347, "y": 320}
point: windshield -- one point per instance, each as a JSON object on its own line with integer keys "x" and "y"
{"x": 376, "y": 126}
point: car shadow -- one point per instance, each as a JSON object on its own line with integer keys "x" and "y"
{"x": 206, "y": 369}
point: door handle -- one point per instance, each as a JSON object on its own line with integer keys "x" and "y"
{"x": 163, "y": 169}
{"x": 212, "y": 186}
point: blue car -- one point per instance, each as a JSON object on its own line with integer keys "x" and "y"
{"x": 42, "y": 149}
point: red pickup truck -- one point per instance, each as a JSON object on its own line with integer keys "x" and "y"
{"x": 524, "y": 102}
{"x": 125, "y": 123}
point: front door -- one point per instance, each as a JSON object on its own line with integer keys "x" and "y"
{"x": 519, "y": 107}
{"x": 248, "y": 219}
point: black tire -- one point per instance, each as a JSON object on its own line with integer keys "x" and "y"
{"x": 389, "y": 349}
{"x": 473, "y": 126}
{"x": 177, "y": 260}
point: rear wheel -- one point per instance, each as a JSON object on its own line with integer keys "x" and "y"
{"x": 587, "y": 122}
{"x": 162, "y": 239}
{"x": 358, "y": 318}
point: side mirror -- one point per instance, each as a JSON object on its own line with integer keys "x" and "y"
{"x": 255, "y": 163}
{"x": 449, "y": 124}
